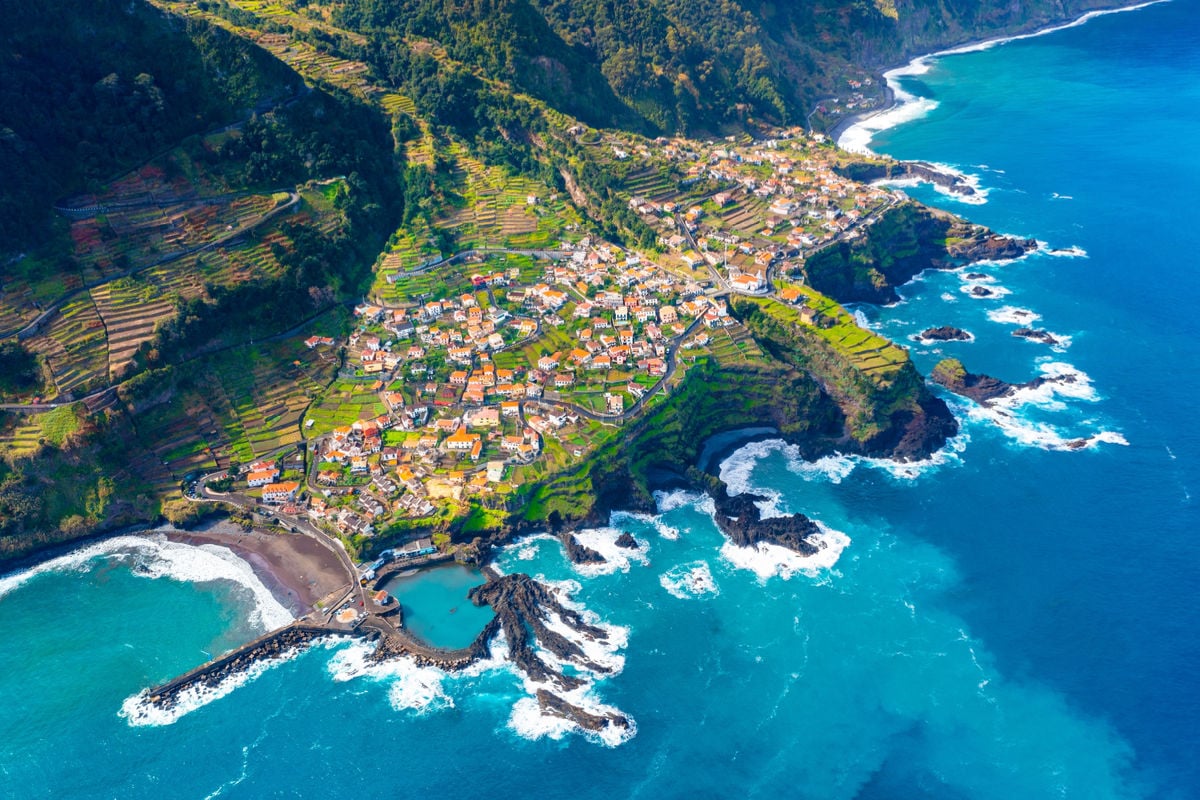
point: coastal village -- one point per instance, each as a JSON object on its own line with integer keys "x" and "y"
{"x": 511, "y": 366}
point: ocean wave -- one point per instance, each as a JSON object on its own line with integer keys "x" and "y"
{"x": 678, "y": 498}
{"x": 661, "y": 528}
{"x": 1064, "y": 383}
{"x": 906, "y": 107}
{"x": 158, "y": 557}
{"x": 411, "y": 686}
{"x": 529, "y": 721}
{"x": 769, "y": 560}
{"x": 949, "y": 298}
{"x": 689, "y": 581}
{"x": 1074, "y": 251}
{"x": 616, "y": 558}
{"x": 737, "y": 470}
{"x": 994, "y": 290}
{"x": 1013, "y": 315}
{"x": 138, "y": 711}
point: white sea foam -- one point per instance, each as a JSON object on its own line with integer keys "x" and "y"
{"x": 411, "y": 686}
{"x": 769, "y": 560}
{"x": 663, "y": 529}
{"x": 158, "y": 557}
{"x": 1064, "y": 383}
{"x": 530, "y": 721}
{"x": 616, "y": 558}
{"x": 669, "y": 501}
{"x": 689, "y": 581}
{"x": 1013, "y": 315}
{"x": 737, "y": 470}
{"x": 138, "y": 711}
{"x": 995, "y": 291}
{"x": 949, "y": 298}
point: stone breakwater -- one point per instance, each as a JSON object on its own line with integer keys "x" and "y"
{"x": 276, "y": 644}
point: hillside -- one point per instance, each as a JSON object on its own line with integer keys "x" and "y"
{"x": 689, "y": 66}
{"x": 195, "y": 204}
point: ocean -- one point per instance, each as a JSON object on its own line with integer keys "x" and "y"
{"x": 1014, "y": 619}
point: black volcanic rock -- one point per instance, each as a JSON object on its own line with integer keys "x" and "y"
{"x": 983, "y": 389}
{"x": 982, "y": 291}
{"x": 1036, "y": 335}
{"x": 627, "y": 541}
{"x": 553, "y": 704}
{"x": 946, "y": 333}
{"x": 740, "y": 519}
{"x": 523, "y": 607}
{"x": 977, "y": 276}
{"x": 991, "y": 247}
{"x": 579, "y": 553}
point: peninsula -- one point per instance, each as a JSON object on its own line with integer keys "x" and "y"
{"x": 365, "y": 284}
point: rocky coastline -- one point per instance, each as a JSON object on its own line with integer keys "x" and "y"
{"x": 946, "y": 333}
{"x": 985, "y": 389}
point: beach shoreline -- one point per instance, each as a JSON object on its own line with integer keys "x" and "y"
{"x": 298, "y": 571}
{"x": 895, "y": 98}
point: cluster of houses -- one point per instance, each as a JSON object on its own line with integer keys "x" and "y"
{"x": 800, "y": 203}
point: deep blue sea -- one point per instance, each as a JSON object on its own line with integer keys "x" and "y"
{"x": 1015, "y": 620}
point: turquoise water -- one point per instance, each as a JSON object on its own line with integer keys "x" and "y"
{"x": 436, "y": 607}
{"x": 1017, "y": 621}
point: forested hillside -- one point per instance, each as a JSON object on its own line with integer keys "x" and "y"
{"x": 690, "y": 65}
{"x": 89, "y": 88}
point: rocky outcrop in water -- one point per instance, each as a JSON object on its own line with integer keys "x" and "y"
{"x": 524, "y": 609}
{"x": 868, "y": 172}
{"x": 1037, "y": 335}
{"x": 627, "y": 541}
{"x": 577, "y": 552}
{"x": 984, "y": 389}
{"x": 946, "y": 333}
{"x": 553, "y": 704}
{"x": 739, "y": 518}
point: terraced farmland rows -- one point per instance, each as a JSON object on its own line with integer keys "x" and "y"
{"x": 74, "y": 347}
{"x": 129, "y": 319}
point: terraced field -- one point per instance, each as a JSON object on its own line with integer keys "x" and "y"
{"x": 74, "y": 347}
{"x": 343, "y": 403}
{"x": 867, "y": 351}
{"x": 242, "y": 404}
{"x": 130, "y": 311}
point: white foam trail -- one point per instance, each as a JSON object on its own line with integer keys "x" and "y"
{"x": 689, "y": 581}
{"x": 908, "y": 107}
{"x": 1064, "y": 383}
{"x": 949, "y": 298}
{"x": 159, "y": 557}
{"x": 138, "y": 711}
{"x": 527, "y": 718}
{"x": 663, "y": 529}
{"x": 769, "y": 560}
{"x": 1013, "y": 315}
{"x": 412, "y": 686}
{"x": 616, "y": 558}
{"x": 737, "y": 470}
{"x": 995, "y": 291}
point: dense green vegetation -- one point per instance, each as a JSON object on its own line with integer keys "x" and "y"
{"x": 90, "y": 88}
{"x": 907, "y": 239}
{"x": 681, "y": 65}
